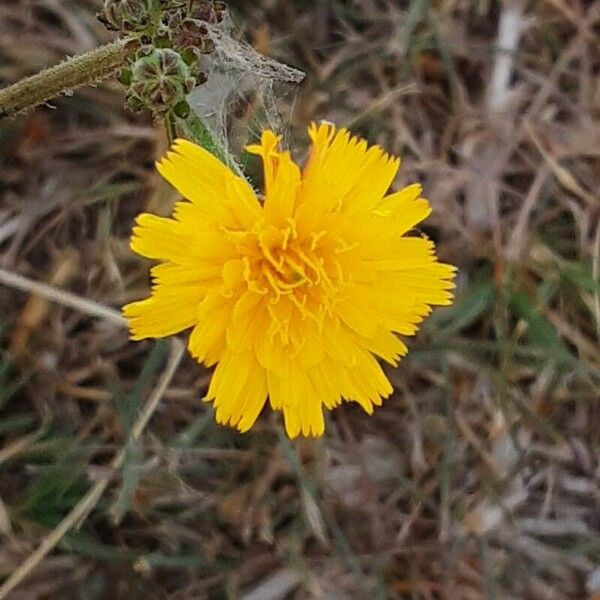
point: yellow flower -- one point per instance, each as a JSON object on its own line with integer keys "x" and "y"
{"x": 293, "y": 296}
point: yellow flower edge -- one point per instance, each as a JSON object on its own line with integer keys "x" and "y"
{"x": 292, "y": 296}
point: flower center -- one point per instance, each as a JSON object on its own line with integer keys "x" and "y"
{"x": 294, "y": 272}
{"x": 286, "y": 264}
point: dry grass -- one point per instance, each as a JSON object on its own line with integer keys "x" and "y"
{"x": 480, "y": 478}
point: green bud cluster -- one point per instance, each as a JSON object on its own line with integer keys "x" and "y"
{"x": 160, "y": 81}
{"x": 126, "y": 16}
{"x": 173, "y": 36}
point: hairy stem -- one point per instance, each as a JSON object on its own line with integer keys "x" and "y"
{"x": 91, "y": 67}
{"x": 171, "y": 127}
{"x": 194, "y": 129}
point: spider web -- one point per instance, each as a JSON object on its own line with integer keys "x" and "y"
{"x": 243, "y": 92}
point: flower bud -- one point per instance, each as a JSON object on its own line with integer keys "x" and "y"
{"x": 207, "y": 11}
{"x": 190, "y": 33}
{"x": 125, "y": 15}
{"x": 159, "y": 80}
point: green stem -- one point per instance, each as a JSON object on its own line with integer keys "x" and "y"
{"x": 171, "y": 127}
{"x": 194, "y": 128}
{"x": 85, "y": 69}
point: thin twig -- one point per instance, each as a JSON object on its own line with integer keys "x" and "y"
{"x": 519, "y": 236}
{"x": 578, "y": 21}
{"x": 564, "y": 177}
{"x": 89, "y": 501}
{"x": 89, "y": 307}
{"x": 468, "y": 433}
{"x": 596, "y": 277}
{"x": 18, "y": 446}
{"x": 512, "y": 24}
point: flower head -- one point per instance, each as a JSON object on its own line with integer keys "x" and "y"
{"x": 293, "y": 296}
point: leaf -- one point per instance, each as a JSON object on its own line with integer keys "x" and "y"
{"x": 581, "y": 276}
{"x": 129, "y": 406}
{"x": 466, "y": 310}
{"x": 197, "y": 132}
{"x": 131, "y": 473}
{"x": 540, "y": 331}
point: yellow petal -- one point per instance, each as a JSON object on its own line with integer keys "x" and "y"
{"x": 207, "y": 341}
{"x": 385, "y": 344}
{"x": 282, "y": 178}
{"x": 368, "y": 383}
{"x": 158, "y": 238}
{"x": 163, "y": 314}
{"x": 280, "y": 200}
{"x": 343, "y": 174}
{"x": 204, "y": 180}
{"x": 325, "y": 383}
{"x": 176, "y": 279}
{"x": 302, "y": 409}
{"x": 238, "y": 390}
{"x": 364, "y": 322}
{"x": 267, "y": 150}
{"x": 249, "y": 322}
{"x": 405, "y": 207}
